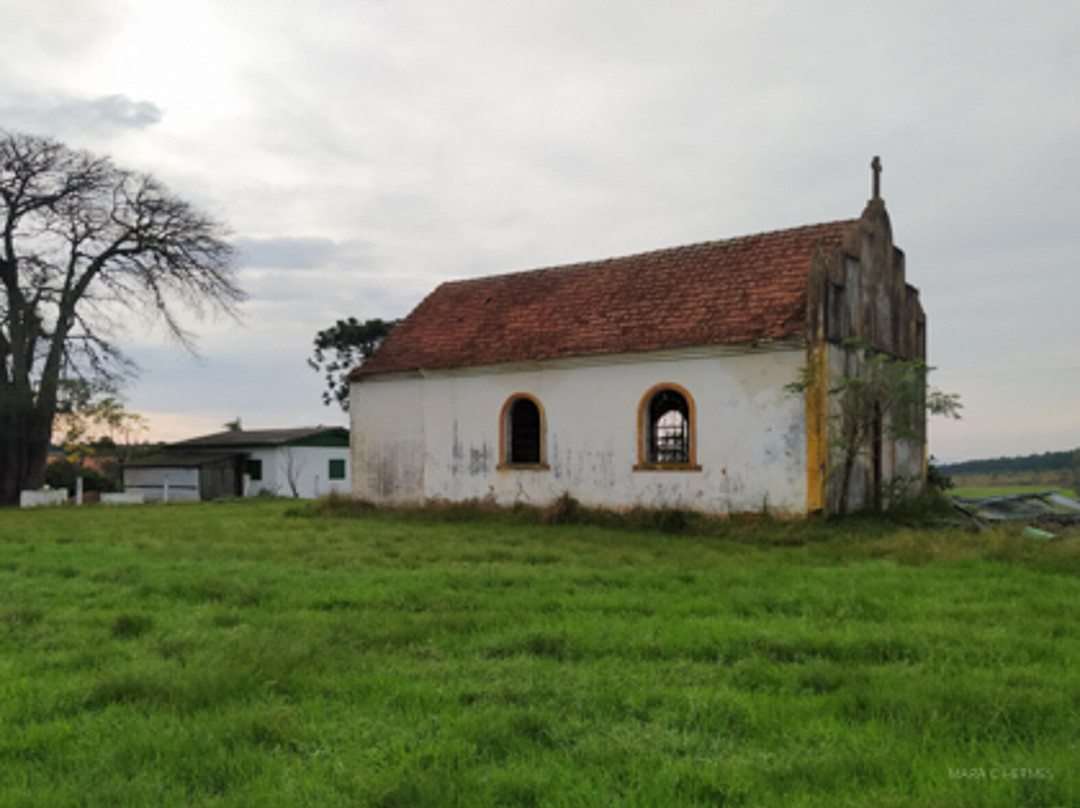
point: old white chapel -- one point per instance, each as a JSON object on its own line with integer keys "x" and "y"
{"x": 648, "y": 380}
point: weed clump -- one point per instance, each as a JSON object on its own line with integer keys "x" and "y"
{"x": 333, "y": 504}
{"x": 666, "y": 520}
{"x": 131, "y": 626}
{"x": 564, "y": 511}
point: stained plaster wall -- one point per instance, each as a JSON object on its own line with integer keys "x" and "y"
{"x": 436, "y": 437}
{"x": 860, "y": 293}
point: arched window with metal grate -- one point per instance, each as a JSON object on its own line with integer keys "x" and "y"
{"x": 666, "y": 438}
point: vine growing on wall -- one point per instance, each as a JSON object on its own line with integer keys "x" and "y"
{"x": 884, "y": 396}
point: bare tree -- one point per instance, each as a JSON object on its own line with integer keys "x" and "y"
{"x": 293, "y": 469}
{"x": 82, "y": 245}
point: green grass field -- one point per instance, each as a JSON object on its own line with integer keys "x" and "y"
{"x": 271, "y": 654}
{"x": 1005, "y": 490}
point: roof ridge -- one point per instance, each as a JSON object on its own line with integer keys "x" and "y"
{"x": 626, "y": 257}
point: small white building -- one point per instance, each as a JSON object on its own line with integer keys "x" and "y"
{"x": 306, "y": 462}
{"x": 651, "y": 380}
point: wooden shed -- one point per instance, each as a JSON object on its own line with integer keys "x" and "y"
{"x": 177, "y": 477}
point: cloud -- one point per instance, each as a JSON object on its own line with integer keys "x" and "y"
{"x": 117, "y": 111}
{"x": 287, "y": 252}
{"x": 414, "y": 144}
{"x": 46, "y": 36}
{"x": 68, "y": 115}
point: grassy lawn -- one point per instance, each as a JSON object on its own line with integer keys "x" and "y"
{"x": 268, "y": 654}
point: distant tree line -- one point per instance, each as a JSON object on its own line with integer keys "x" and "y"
{"x": 1047, "y": 461}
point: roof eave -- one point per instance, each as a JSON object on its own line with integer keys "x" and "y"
{"x": 764, "y": 345}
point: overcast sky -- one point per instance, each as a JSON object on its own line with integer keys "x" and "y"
{"x": 363, "y": 151}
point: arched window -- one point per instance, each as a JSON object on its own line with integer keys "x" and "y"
{"x": 666, "y": 429}
{"x": 522, "y": 434}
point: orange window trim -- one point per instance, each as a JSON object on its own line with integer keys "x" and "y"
{"x": 643, "y": 426}
{"x": 504, "y": 415}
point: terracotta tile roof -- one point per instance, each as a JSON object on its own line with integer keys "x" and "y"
{"x": 718, "y": 292}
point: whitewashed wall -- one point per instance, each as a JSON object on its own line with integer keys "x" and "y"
{"x": 437, "y": 437}
{"x": 309, "y": 467}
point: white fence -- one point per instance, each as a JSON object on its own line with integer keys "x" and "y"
{"x": 59, "y": 496}
{"x": 122, "y": 499}
{"x": 43, "y": 497}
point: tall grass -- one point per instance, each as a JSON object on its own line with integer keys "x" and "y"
{"x": 272, "y": 654}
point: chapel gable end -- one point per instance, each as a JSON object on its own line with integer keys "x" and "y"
{"x": 858, "y": 290}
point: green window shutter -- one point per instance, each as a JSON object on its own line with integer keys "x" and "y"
{"x": 337, "y": 469}
{"x": 253, "y": 469}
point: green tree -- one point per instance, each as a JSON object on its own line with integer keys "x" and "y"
{"x": 83, "y": 244}
{"x": 936, "y": 478}
{"x": 345, "y": 345}
{"x": 886, "y": 396}
{"x": 64, "y": 473}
